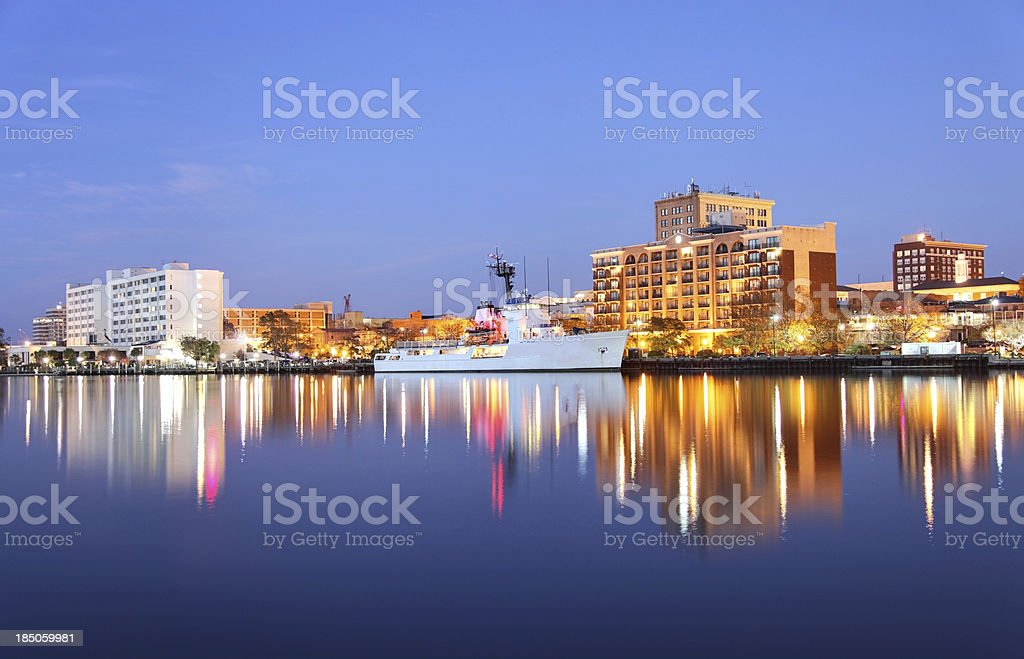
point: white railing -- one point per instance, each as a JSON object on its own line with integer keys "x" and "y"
{"x": 428, "y": 343}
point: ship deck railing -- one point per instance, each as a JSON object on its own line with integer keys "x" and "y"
{"x": 429, "y": 343}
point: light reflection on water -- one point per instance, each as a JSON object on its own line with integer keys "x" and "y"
{"x": 781, "y": 438}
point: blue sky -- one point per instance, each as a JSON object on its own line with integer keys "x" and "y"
{"x": 168, "y": 159}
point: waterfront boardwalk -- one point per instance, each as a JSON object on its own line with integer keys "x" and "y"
{"x": 818, "y": 364}
{"x": 252, "y": 368}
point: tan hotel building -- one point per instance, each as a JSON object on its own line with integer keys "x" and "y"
{"x": 715, "y": 275}
{"x": 681, "y": 214}
{"x": 312, "y": 319}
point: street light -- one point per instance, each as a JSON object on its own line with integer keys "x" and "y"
{"x": 775, "y": 342}
{"x": 995, "y": 323}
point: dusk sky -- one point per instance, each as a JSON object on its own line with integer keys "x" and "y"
{"x": 168, "y": 158}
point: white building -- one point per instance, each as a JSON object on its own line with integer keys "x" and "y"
{"x": 50, "y": 328}
{"x": 145, "y": 305}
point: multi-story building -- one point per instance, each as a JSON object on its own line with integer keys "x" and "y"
{"x": 136, "y": 306}
{"x": 86, "y": 313}
{"x": 312, "y": 318}
{"x": 919, "y": 258}
{"x": 717, "y": 275}
{"x": 50, "y": 328}
{"x": 682, "y": 214}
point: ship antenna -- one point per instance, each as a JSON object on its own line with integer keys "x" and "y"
{"x": 503, "y": 269}
{"x": 547, "y": 265}
{"x": 526, "y": 282}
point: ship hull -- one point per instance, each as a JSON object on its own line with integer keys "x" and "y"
{"x": 601, "y": 351}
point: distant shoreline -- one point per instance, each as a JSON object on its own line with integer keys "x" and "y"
{"x": 654, "y": 365}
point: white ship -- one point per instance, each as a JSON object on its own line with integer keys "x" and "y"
{"x": 518, "y": 337}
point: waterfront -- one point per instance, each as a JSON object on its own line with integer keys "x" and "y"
{"x": 514, "y": 474}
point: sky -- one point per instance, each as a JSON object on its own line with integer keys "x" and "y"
{"x": 504, "y": 138}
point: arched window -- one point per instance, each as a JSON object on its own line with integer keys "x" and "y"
{"x": 737, "y": 246}
{"x": 642, "y": 259}
{"x": 721, "y": 249}
{"x": 630, "y": 259}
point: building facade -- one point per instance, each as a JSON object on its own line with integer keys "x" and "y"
{"x": 51, "y": 327}
{"x": 682, "y": 214}
{"x": 135, "y": 306}
{"x": 970, "y": 290}
{"x": 919, "y": 258}
{"x": 312, "y": 318}
{"x": 717, "y": 276}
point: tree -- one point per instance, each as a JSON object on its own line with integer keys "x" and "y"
{"x": 450, "y": 327}
{"x": 903, "y": 328}
{"x": 797, "y": 337}
{"x": 667, "y": 336}
{"x": 827, "y": 335}
{"x": 3, "y": 347}
{"x": 387, "y": 334}
{"x": 1009, "y": 334}
{"x": 281, "y": 334}
{"x": 70, "y": 356}
{"x": 199, "y": 349}
{"x": 755, "y": 333}
{"x": 734, "y": 343}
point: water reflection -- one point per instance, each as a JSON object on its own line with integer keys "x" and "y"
{"x": 780, "y": 438}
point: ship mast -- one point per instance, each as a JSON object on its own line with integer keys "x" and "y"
{"x": 503, "y": 269}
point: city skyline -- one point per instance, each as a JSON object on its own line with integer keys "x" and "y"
{"x": 168, "y": 158}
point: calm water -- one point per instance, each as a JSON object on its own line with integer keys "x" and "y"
{"x": 846, "y": 551}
